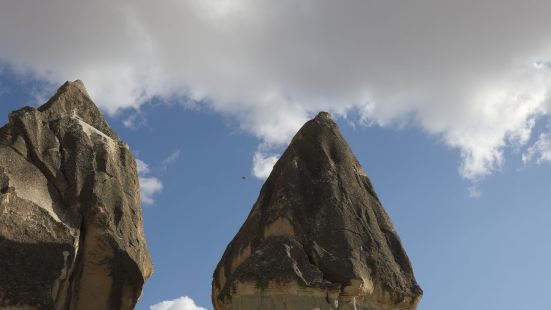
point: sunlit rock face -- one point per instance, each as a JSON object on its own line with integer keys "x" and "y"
{"x": 317, "y": 237}
{"x": 71, "y": 230}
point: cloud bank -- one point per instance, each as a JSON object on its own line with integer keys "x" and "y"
{"x": 475, "y": 73}
{"x": 182, "y": 303}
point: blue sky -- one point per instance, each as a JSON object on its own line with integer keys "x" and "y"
{"x": 490, "y": 252}
{"x": 446, "y": 104}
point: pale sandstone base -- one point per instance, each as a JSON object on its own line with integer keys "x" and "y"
{"x": 295, "y": 302}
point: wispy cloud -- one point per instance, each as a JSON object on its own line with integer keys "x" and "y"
{"x": 143, "y": 168}
{"x": 134, "y": 121}
{"x": 171, "y": 159}
{"x": 540, "y": 151}
{"x": 474, "y": 191}
{"x": 149, "y": 186}
{"x": 182, "y": 303}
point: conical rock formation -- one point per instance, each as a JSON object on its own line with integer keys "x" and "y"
{"x": 317, "y": 237}
{"x": 71, "y": 230}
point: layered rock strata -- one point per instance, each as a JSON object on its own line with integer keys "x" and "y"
{"x": 71, "y": 229}
{"x": 317, "y": 237}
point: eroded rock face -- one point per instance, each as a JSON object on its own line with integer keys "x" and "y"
{"x": 317, "y": 237}
{"x": 71, "y": 230}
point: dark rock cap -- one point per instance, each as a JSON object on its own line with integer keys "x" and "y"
{"x": 317, "y": 229}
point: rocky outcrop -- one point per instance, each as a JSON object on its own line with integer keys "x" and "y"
{"x": 71, "y": 230}
{"x": 317, "y": 237}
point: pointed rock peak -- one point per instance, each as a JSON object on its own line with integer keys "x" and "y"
{"x": 317, "y": 237}
{"x": 72, "y": 100}
{"x": 323, "y": 116}
{"x": 75, "y": 86}
{"x": 322, "y": 119}
{"x": 319, "y": 148}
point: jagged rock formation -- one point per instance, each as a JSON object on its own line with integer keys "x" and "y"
{"x": 317, "y": 237}
{"x": 71, "y": 230}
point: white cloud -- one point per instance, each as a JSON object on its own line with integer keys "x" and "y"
{"x": 475, "y": 73}
{"x": 182, "y": 303}
{"x": 263, "y": 164}
{"x": 540, "y": 152}
{"x": 171, "y": 159}
{"x": 149, "y": 186}
{"x": 143, "y": 168}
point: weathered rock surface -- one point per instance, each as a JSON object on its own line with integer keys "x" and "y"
{"x": 71, "y": 230}
{"x": 317, "y": 237}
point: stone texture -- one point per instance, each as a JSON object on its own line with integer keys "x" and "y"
{"x": 317, "y": 237}
{"x": 71, "y": 229}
